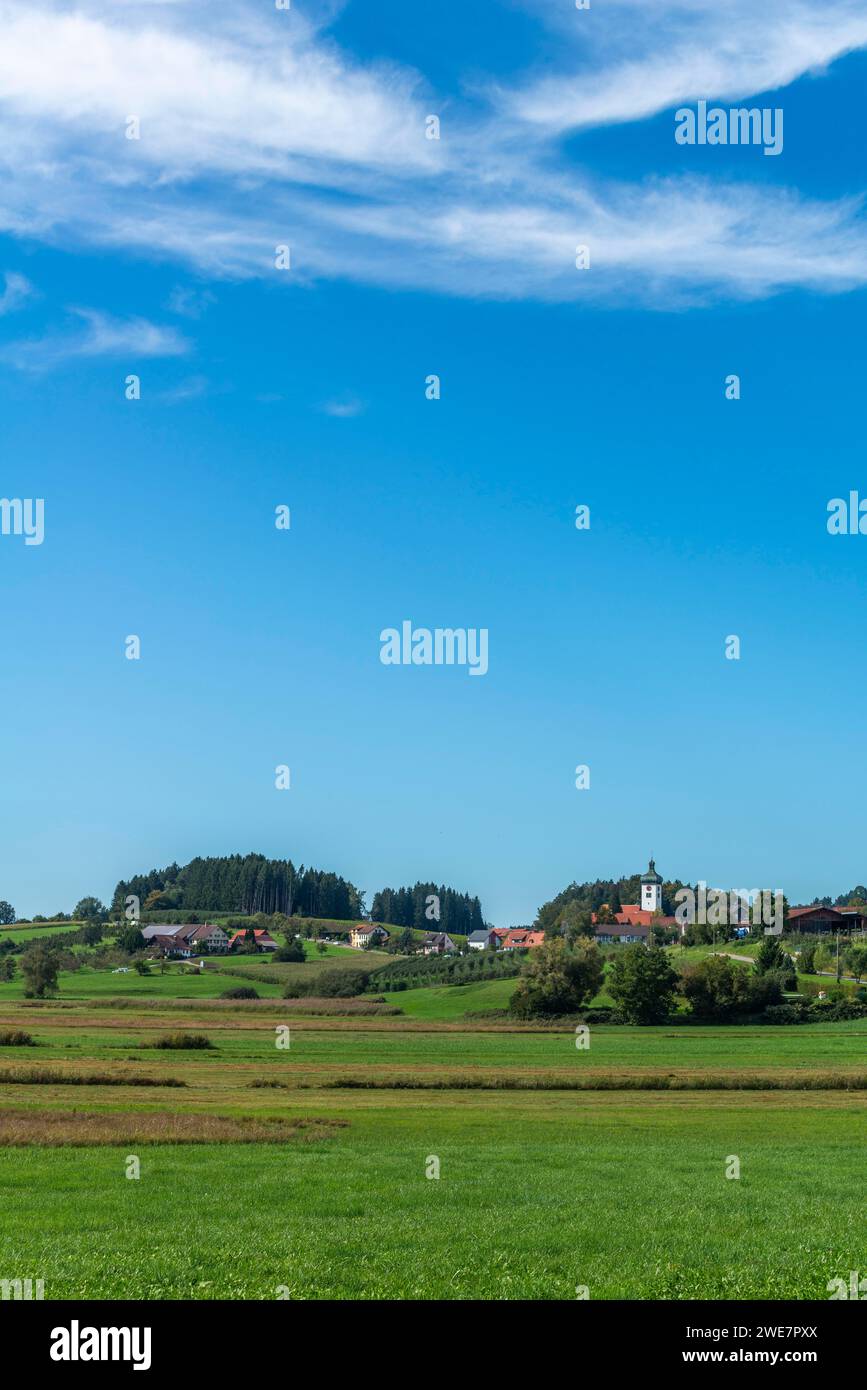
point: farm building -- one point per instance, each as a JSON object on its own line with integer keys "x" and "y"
{"x": 264, "y": 940}
{"x": 826, "y": 919}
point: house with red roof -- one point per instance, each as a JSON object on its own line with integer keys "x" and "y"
{"x": 521, "y": 940}
{"x": 263, "y": 938}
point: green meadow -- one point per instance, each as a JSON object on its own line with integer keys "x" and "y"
{"x": 537, "y": 1195}
{"x": 292, "y": 1158}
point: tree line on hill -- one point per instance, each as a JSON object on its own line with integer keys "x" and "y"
{"x": 246, "y": 884}
{"x": 856, "y": 897}
{"x": 427, "y": 907}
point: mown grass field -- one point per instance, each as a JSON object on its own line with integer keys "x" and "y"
{"x": 537, "y": 1194}
{"x": 540, "y": 1190}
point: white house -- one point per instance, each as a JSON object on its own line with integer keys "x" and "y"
{"x": 437, "y": 943}
{"x": 481, "y": 940}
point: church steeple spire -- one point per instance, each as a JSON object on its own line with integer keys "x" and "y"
{"x": 651, "y": 889}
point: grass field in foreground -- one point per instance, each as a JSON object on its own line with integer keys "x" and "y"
{"x": 537, "y": 1194}
{"x": 539, "y": 1191}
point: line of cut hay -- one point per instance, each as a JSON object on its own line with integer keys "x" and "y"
{"x": 803, "y": 1081}
{"x": 43, "y": 1076}
{"x": 353, "y": 1008}
{"x": 79, "y": 1129}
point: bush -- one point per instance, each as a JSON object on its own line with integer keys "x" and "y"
{"x": 331, "y": 984}
{"x": 181, "y": 1042}
{"x": 836, "y": 1010}
{"x": 241, "y": 992}
{"x": 292, "y": 952}
{"x": 763, "y": 992}
{"x": 15, "y": 1037}
{"x": 786, "y": 1013}
{"x": 602, "y": 1014}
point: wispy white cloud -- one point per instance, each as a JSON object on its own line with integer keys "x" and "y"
{"x": 96, "y": 334}
{"x": 257, "y": 130}
{"x": 244, "y": 93}
{"x": 17, "y": 290}
{"x": 190, "y": 302}
{"x": 343, "y": 407}
{"x": 192, "y": 388}
{"x": 639, "y": 59}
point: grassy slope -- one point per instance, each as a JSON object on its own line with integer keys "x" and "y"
{"x": 338, "y": 957}
{"x": 452, "y": 1001}
{"x": 52, "y": 929}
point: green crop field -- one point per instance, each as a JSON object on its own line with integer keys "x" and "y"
{"x": 31, "y": 933}
{"x": 294, "y": 1153}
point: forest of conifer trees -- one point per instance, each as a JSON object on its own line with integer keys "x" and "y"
{"x": 412, "y": 907}
{"x": 244, "y": 884}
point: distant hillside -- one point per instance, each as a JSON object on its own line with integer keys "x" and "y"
{"x": 574, "y": 906}
{"x": 244, "y": 884}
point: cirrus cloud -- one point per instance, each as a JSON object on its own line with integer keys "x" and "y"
{"x": 258, "y": 130}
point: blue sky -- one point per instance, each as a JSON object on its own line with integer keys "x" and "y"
{"x": 559, "y": 387}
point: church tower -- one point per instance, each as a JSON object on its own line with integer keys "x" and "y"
{"x": 651, "y": 889}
